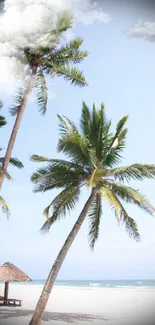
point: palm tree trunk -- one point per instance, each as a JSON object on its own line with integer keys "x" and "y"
{"x": 41, "y": 305}
{"x": 17, "y": 125}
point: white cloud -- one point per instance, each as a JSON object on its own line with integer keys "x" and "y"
{"x": 144, "y": 30}
{"x": 86, "y": 13}
{"x": 27, "y": 21}
{"x": 88, "y": 18}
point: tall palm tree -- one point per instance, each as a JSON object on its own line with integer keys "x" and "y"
{"x": 13, "y": 161}
{"x": 94, "y": 154}
{"x": 50, "y": 56}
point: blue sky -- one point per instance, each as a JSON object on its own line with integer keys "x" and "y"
{"x": 121, "y": 74}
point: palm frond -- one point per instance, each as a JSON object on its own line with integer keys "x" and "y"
{"x": 95, "y": 128}
{"x": 64, "y": 202}
{"x": 122, "y": 137}
{"x": 120, "y": 125}
{"x": 120, "y": 213}
{"x": 113, "y": 154}
{"x": 112, "y": 159}
{"x": 37, "y": 158}
{"x": 109, "y": 196}
{"x": 74, "y": 146}
{"x": 129, "y": 195}
{"x": 4, "y": 206}
{"x": 64, "y": 22}
{"x": 135, "y": 172}
{"x": 13, "y": 161}
{"x": 116, "y": 145}
{"x": 67, "y": 54}
{"x": 66, "y": 125}
{"x": 40, "y": 177}
{"x": 100, "y": 132}
{"x": 8, "y": 176}
{"x": 77, "y": 148}
{"x": 58, "y": 175}
{"x": 94, "y": 215}
{"x": 130, "y": 223}
{"x": 118, "y": 142}
{"x": 131, "y": 227}
{"x": 2, "y": 118}
{"x": 2, "y": 121}
{"x": 55, "y": 162}
{"x": 18, "y": 98}
{"x": 16, "y": 163}
{"x": 119, "y": 131}
{"x": 69, "y": 73}
{"x": 85, "y": 121}
{"x": 41, "y": 91}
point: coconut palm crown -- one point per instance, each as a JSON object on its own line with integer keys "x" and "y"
{"x": 94, "y": 155}
{"x": 50, "y": 55}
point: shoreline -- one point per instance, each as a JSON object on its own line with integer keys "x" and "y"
{"x": 82, "y": 306}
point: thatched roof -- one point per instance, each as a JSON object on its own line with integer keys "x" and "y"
{"x": 10, "y": 273}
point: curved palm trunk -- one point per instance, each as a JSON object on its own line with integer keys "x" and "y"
{"x": 40, "y": 307}
{"x": 16, "y": 126}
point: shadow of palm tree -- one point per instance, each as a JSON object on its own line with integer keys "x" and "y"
{"x": 47, "y": 316}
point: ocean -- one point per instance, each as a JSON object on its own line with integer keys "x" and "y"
{"x": 100, "y": 283}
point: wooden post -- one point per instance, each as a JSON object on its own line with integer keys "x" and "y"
{"x": 6, "y": 290}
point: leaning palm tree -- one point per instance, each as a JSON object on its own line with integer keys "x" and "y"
{"x": 94, "y": 154}
{"x": 48, "y": 56}
{"x": 13, "y": 161}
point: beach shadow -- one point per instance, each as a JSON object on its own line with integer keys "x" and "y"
{"x": 70, "y": 318}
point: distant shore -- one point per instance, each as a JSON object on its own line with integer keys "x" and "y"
{"x": 78, "y": 305}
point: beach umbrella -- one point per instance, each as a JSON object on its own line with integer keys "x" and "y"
{"x": 11, "y": 273}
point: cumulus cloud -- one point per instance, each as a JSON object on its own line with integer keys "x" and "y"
{"x": 144, "y": 30}
{"x": 27, "y": 23}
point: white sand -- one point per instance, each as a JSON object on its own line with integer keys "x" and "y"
{"x": 83, "y": 306}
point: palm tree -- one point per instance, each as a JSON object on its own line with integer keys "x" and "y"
{"x": 94, "y": 154}
{"x": 50, "y": 56}
{"x": 13, "y": 161}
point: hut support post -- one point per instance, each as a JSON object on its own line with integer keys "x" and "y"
{"x": 6, "y": 290}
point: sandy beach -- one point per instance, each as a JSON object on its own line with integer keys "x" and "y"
{"x": 72, "y": 305}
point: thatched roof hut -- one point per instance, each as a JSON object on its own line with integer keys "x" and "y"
{"x": 11, "y": 273}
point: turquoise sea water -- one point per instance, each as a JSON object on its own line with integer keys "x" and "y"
{"x": 100, "y": 283}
